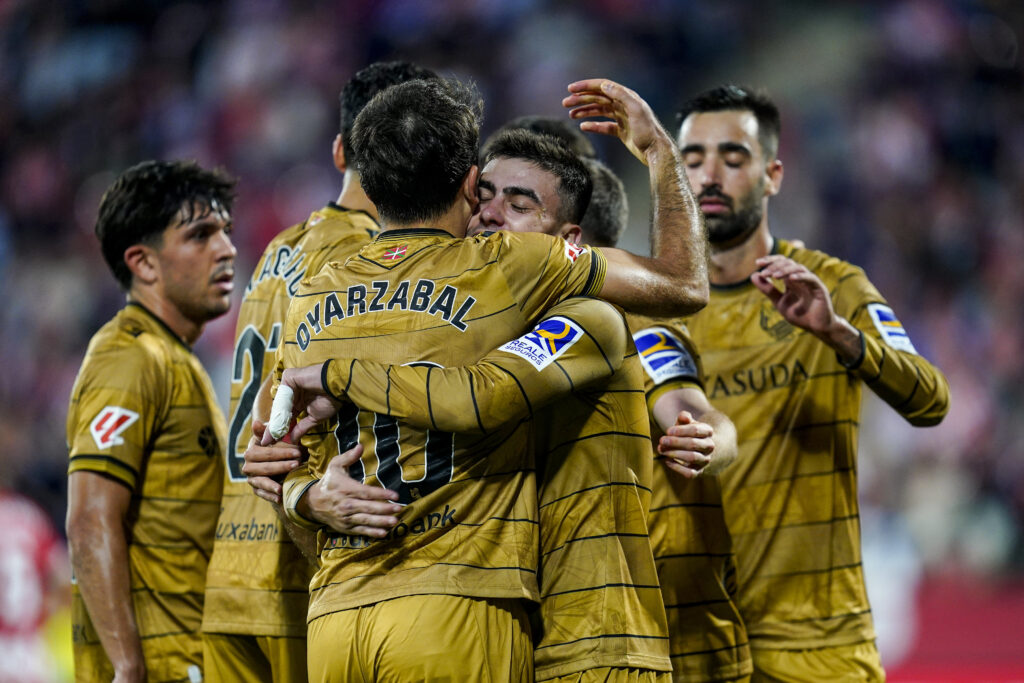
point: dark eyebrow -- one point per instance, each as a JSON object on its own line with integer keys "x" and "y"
{"x": 484, "y": 185}
{"x": 692, "y": 148}
{"x": 520, "y": 192}
{"x": 726, "y": 147}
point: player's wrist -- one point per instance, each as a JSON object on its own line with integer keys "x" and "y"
{"x": 662, "y": 150}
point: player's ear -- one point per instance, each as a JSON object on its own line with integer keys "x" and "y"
{"x": 338, "y": 151}
{"x": 141, "y": 261}
{"x": 774, "y": 173}
{"x": 573, "y": 234}
{"x": 468, "y": 188}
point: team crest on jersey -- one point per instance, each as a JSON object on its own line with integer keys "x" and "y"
{"x": 663, "y": 356}
{"x": 773, "y": 323}
{"x": 573, "y": 252}
{"x": 546, "y": 342}
{"x": 890, "y": 328}
{"x": 396, "y": 253}
{"x": 108, "y": 426}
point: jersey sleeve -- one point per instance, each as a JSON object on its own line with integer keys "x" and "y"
{"x": 121, "y": 399}
{"x": 577, "y": 342}
{"x": 542, "y": 270}
{"x": 889, "y": 364}
{"x": 668, "y": 356}
{"x": 294, "y": 487}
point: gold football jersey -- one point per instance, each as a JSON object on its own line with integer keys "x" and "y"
{"x": 143, "y": 412}
{"x": 791, "y": 496}
{"x": 470, "y": 523}
{"x": 600, "y": 603}
{"x": 691, "y": 542}
{"x": 258, "y": 581}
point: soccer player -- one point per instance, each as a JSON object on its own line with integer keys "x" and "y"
{"x": 254, "y": 618}
{"x": 467, "y": 547}
{"x": 692, "y": 547}
{"x": 599, "y": 616}
{"x": 691, "y": 542}
{"x": 608, "y": 210}
{"x": 790, "y": 337}
{"x": 145, "y": 432}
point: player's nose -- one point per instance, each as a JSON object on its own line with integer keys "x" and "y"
{"x": 491, "y": 214}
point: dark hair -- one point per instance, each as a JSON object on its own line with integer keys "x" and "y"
{"x": 143, "y": 201}
{"x": 369, "y": 81}
{"x": 736, "y": 98}
{"x": 551, "y": 155}
{"x": 608, "y": 211}
{"x": 413, "y": 145}
{"x": 566, "y": 131}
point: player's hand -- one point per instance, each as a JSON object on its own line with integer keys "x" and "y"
{"x": 265, "y": 463}
{"x": 688, "y": 445}
{"x": 805, "y": 302}
{"x": 632, "y": 120}
{"x": 304, "y": 393}
{"x": 348, "y": 506}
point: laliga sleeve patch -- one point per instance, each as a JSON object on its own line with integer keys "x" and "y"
{"x": 663, "y": 356}
{"x": 107, "y": 427}
{"x": 546, "y": 342}
{"x": 573, "y": 252}
{"x": 890, "y": 328}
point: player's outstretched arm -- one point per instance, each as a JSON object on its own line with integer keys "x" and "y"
{"x": 873, "y": 345}
{"x": 577, "y": 342}
{"x": 697, "y": 437}
{"x": 674, "y": 279}
{"x": 97, "y": 509}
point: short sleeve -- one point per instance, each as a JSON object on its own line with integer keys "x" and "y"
{"x": 118, "y": 403}
{"x": 542, "y": 270}
{"x": 668, "y": 356}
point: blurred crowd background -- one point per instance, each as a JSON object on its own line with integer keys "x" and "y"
{"x": 903, "y": 144}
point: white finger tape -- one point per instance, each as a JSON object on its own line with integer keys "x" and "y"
{"x": 281, "y": 412}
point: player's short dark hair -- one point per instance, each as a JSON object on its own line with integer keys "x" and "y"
{"x": 737, "y": 98}
{"x": 563, "y": 129}
{"x": 413, "y": 145}
{"x": 143, "y": 201}
{"x": 369, "y": 81}
{"x": 551, "y": 155}
{"x": 608, "y": 211}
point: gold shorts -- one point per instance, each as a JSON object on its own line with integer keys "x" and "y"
{"x": 231, "y": 658}
{"x": 423, "y": 638}
{"x": 846, "y": 663}
{"x": 611, "y": 674}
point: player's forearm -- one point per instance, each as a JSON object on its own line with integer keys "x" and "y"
{"x": 673, "y": 281}
{"x": 725, "y": 441}
{"x": 915, "y": 388}
{"x": 469, "y": 399}
{"x": 679, "y": 241}
{"x": 99, "y": 553}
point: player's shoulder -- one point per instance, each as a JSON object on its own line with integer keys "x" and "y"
{"x": 533, "y": 247}
{"x": 831, "y": 269}
{"x": 132, "y": 341}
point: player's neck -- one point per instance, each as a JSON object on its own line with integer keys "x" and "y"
{"x": 453, "y": 221}
{"x": 736, "y": 263}
{"x": 185, "y": 328}
{"x": 354, "y": 197}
